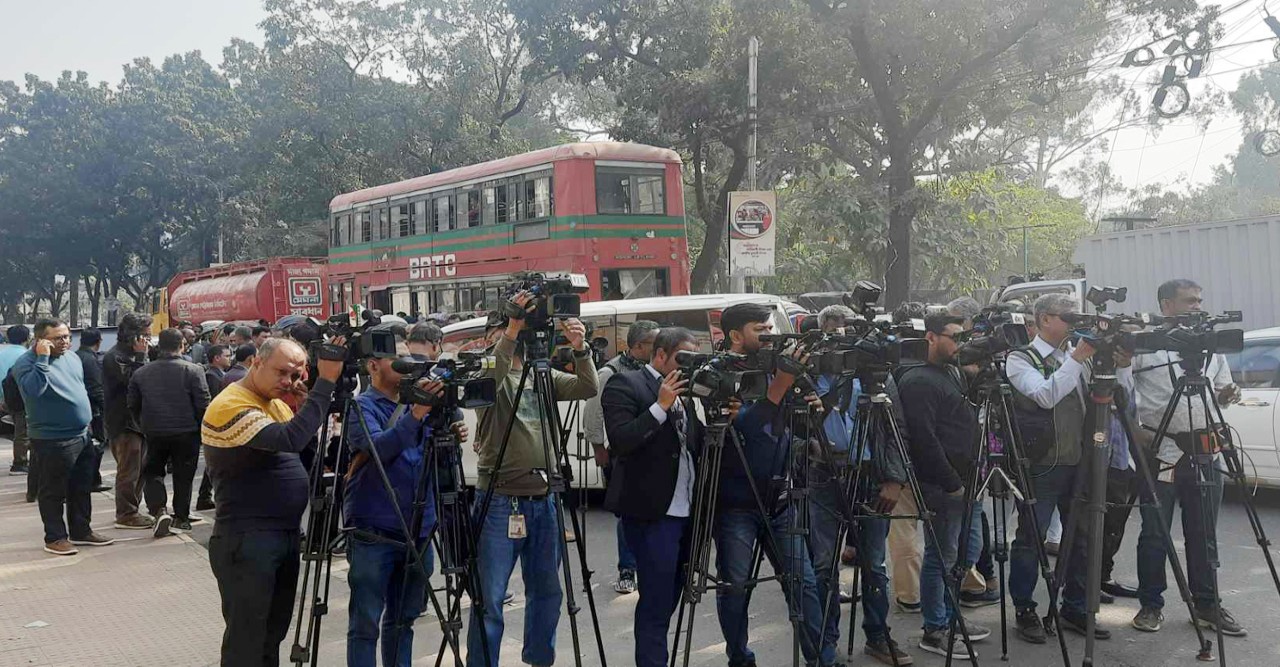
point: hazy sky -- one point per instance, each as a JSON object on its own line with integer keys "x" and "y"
{"x": 99, "y": 36}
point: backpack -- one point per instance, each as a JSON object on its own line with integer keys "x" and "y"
{"x": 12, "y": 397}
{"x": 1036, "y": 425}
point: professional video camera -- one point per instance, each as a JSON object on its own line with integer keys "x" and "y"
{"x": 555, "y": 296}
{"x": 721, "y": 376}
{"x": 1191, "y": 334}
{"x": 1105, "y": 331}
{"x": 463, "y": 385}
{"x": 997, "y": 329}
{"x": 362, "y": 342}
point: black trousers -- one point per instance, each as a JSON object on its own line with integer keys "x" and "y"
{"x": 257, "y": 573}
{"x": 184, "y": 451}
{"x": 1120, "y": 484}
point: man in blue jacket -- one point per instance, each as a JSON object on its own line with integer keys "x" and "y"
{"x": 385, "y": 599}
{"x": 738, "y": 521}
{"x": 58, "y": 413}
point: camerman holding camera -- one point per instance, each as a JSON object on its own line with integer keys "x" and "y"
{"x": 640, "y": 339}
{"x": 944, "y": 438}
{"x": 1177, "y": 481}
{"x": 738, "y": 522}
{"x": 654, "y": 435}
{"x": 882, "y": 478}
{"x": 1051, "y": 381}
{"x": 376, "y": 549}
{"x": 251, "y": 445}
{"x": 521, "y": 522}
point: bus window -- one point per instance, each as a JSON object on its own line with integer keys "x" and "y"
{"x": 440, "y": 222}
{"x": 418, "y": 217}
{"x": 503, "y": 206}
{"x": 402, "y": 225}
{"x": 622, "y": 190}
{"x": 473, "y": 208}
{"x": 633, "y": 283}
{"x": 487, "y": 215}
{"x": 365, "y": 226}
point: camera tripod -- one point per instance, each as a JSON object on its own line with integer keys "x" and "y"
{"x": 1000, "y": 451}
{"x": 323, "y": 534}
{"x": 703, "y": 516}
{"x": 877, "y": 437}
{"x": 558, "y": 478}
{"x": 1106, "y": 394}
{"x": 1194, "y": 387}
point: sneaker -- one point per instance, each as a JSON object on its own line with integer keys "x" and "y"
{"x": 163, "y": 522}
{"x": 626, "y": 583}
{"x": 1106, "y": 598}
{"x": 1077, "y": 622}
{"x": 136, "y": 522}
{"x": 1148, "y": 620}
{"x": 92, "y": 540}
{"x": 99, "y": 488}
{"x": 1030, "y": 628}
{"x": 61, "y": 548}
{"x": 19, "y": 469}
{"x": 204, "y": 504}
{"x": 976, "y": 632}
{"x": 848, "y": 555}
{"x": 935, "y": 641}
{"x": 984, "y": 599}
{"x": 1215, "y": 619}
{"x": 180, "y": 526}
{"x": 846, "y": 597}
{"x": 907, "y": 607}
{"x": 196, "y": 518}
{"x": 888, "y": 652}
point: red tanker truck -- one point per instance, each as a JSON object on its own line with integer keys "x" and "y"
{"x": 264, "y": 289}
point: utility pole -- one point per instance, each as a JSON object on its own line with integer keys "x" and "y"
{"x": 1026, "y": 247}
{"x": 738, "y": 284}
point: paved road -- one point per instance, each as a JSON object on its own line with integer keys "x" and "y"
{"x": 147, "y": 602}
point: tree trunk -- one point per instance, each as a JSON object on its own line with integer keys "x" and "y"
{"x": 902, "y": 184}
{"x": 74, "y": 299}
{"x": 94, "y": 291}
{"x": 715, "y": 217}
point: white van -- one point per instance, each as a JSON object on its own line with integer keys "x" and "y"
{"x": 610, "y": 320}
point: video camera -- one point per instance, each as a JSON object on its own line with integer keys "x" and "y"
{"x": 997, "y": 329}
{"x": 555, "y": 296}
{"x": 720, "y": 376}
{"x": 362, "y": 343}
{"x": 1191, "y": 334}
{"x": 1105, "y": 331}
{"x": 462, "y": 385}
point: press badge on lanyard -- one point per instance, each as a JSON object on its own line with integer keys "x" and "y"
{"x": 515, "y": 522}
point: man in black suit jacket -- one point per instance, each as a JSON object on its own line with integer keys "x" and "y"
{"x": 653, "y": 437}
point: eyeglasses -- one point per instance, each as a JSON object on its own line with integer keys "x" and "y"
{"x": 59, "y": 338}
{"x": 959, "y": 337}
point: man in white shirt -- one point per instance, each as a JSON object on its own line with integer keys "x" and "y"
{"x": 1177, "y": 478}
{"x": 1051, "y": 374}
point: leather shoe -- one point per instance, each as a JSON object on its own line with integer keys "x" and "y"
{"x": 1118, "y": 589}
{"x": 1106, "y": 598}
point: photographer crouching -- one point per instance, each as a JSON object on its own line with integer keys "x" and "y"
{"x": 251, "y": 445}
{"x": 385, "y": 599}
{"x": 520, "y": 522}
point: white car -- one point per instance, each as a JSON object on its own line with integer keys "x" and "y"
{"x": 1254, "y": 419}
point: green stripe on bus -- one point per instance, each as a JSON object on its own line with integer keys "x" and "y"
{"x": 630, "y": 221}
{"x": 568, "y": 235}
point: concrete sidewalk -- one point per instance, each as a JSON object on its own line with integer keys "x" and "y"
{"x": 139, "y": 602}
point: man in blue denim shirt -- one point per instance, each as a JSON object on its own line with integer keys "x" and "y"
{"x": 738, "y": 522}
{"x": 385, "y": 599}
{"x": 880, "y": 484}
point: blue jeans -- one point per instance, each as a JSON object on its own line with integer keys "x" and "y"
{"x": 539, "y": 555}
{"x": 1053, "y": 487}
{"x": 663, "y": 550}
{"x": 869, "y": 537}
{"x": 626, "y": 557}
{"x": 941, "y": 550}
{"x": 65, "y": 485}
{"x": 1197, "y": 533}
{"x": 378, "y": 585}
{"x": 735, "y": 533}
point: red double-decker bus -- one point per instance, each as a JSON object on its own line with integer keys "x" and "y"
{"x": 449, "y": 242}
